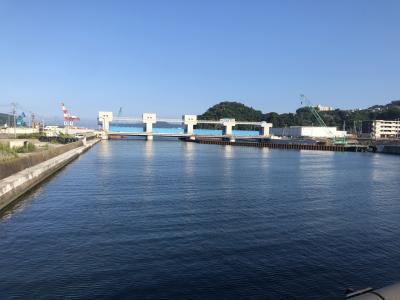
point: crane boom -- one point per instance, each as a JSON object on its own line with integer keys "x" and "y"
{"x": 320, "y": 121}
{"x": 68, "y": 118}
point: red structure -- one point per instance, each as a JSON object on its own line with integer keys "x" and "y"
{"x": 68, "y": 119}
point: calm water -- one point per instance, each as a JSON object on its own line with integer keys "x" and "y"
{"x": 165, "y": 219}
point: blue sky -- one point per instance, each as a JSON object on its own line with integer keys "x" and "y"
{"x": 175, "y": 57}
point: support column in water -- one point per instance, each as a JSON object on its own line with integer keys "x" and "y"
{"x": 265, "y": 129}
{"x": 189, "y": 121}
{"x": 104, "y": 119}
{"x": 227, "y": 131}
{"x": 148, "y": 120}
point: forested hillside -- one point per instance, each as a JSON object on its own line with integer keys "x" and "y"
{"x": 234, "y": 110}
{"x": 303, "y": 116}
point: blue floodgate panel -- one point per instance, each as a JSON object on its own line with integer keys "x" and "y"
{"x": 179, "y": 130}
{"x": 115, "y": 128}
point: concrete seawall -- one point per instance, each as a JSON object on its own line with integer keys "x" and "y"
{"x": 11, "y": 167}
{"x": 389, "y": 149}
{"x": 12, "y": 187}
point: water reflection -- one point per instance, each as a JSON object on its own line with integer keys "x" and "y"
{"x": 249, "y": 228}
{"x": 228, "y": 152}
{"x": 104, "y": 149}
{"x": 189, "y": 155}
{"x": 265, "y": 157}
{"x": 381, "y": 168}
{"x": 148, "y": 158}
{"x": 265, "y": 152}
{"x": 148, "y": 150}
{"x": 228, "y": 167}
{"x": 189, "y": 151}
{"x": 19, "y": 206}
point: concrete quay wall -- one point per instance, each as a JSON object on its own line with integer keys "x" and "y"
{"x": 14, "y": 186}
{"x": 12, "y": 166}
{"x": 389, "y": 149}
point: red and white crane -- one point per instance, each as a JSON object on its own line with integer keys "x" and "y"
{"x": 68, "y": 118}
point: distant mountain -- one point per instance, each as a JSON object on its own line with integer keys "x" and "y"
{"x": 351, "y": 119}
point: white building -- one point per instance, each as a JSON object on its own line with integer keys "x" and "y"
{"x": 308, "y": 131}
{"x": 323, "y": 108}
{"x": 53, "y": 130}
{"x": 382, "y": 129}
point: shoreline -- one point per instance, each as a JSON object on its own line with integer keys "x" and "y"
{"x": 14, "y": 186}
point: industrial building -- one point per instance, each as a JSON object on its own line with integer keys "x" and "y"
{"x": 379, "y": 129}
{"x": 308, "y": 131}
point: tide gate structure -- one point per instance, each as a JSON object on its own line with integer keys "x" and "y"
{"x": 150, "y": 126}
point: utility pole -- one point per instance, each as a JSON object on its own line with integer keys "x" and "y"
{"x": 33, "y": 120}
{"x": 14, "y": 112}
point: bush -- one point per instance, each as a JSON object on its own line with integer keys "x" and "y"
{"x": 6, "y": 152}
{"x": 60, "y": 139}
{"x": 37, "y": 135}
{"x": 26, "y": 149}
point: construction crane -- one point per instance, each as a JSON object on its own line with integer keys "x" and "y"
{"x": 68, "y": 118}
{"x": 321, "y": 122}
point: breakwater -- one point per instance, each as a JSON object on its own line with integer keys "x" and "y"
{"x": 12, "y": 187}
{"x": 336, "y": 148}
{"x": 389, "y": 149}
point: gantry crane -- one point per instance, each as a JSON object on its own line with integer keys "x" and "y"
{"x": 68, "y": 118}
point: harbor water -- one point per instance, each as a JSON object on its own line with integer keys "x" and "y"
{"x": 132, "y": 219}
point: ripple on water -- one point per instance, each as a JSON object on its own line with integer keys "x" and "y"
{"x": 165, "y": 219}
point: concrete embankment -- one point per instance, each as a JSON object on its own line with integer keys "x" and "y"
{"x": 389, "y": 149}
{"x": 10, "y": 167}
{"x": 14, "y": 186}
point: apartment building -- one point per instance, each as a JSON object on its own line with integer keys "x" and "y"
{"x": 380, "y": 129}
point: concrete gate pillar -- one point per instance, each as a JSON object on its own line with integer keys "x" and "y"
{"x": 265, "y": 129}
{"x": 189, "y": 121}
{"x": 228, "y": 125}
{"x": 227, "y": 131}
{"x": 104, "y": 119}
{"x": 148, "y": 120}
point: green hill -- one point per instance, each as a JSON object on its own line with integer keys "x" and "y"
{"x": 234, "y": 110}
{"x": 303, "y": 117}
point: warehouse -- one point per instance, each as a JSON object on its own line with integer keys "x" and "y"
{"x": 308, "y": 131}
